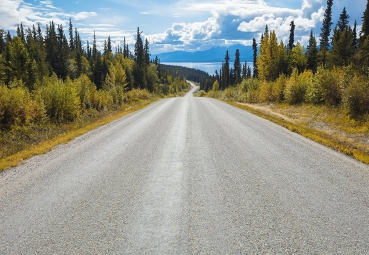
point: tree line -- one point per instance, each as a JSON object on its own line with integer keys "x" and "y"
{"x": 52, "y": 77}
{"x": 335, "y": 72}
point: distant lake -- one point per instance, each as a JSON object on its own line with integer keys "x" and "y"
{"x": 209, "y": 67}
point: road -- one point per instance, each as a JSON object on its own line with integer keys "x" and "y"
{"x": 186, "y": 176}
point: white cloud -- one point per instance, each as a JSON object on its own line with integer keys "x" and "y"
{"x": 238, "y": 21}
{"x": 14, "y": 12}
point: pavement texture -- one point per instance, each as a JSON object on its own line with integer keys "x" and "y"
{"x": 186, "y": 176}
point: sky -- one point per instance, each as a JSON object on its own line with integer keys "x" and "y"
{"x": 189, "y": 25}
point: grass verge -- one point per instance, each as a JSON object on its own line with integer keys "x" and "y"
{"x": 46, "y": 146}
{"x": 332, "y": 140}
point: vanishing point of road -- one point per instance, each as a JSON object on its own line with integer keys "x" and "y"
{"x": 186, "y": 176}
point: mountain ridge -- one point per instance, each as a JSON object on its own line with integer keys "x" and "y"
{"x": 215, "y": 54}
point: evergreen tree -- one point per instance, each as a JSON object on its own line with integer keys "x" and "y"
{"x": 312, "y": 54}
{"x": 354, "y": 34}
{"x": 71, "y": 37}
{"x": 226, "y": 71}
{"x": 292, "y": 36}
{"x": 244, "y": 70}
{"x": 343, "y": 49}
{"x": 61, "y": 63}
{"x": 147, "y": 52}
{"x": 109, "y": 48}
{"x": 237, "y": 68}
{"x": 365, "y": 27}
{"x": 139, "y": 70}
{"x": 139, "y": 50}
{"x": 343, "y": 21}
{"x": 2, "y": 40}
{"x": 325, "y": 32}
{"x": 248, "y": 75}
{"x": 255, "y": 55}
{"x": 51, "y": 47}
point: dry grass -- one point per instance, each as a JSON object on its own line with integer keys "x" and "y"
{"x": 331, "y": 127}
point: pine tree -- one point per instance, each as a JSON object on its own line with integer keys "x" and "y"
{"x": 51, "y": 47}
{"x": 2, "y": 40}
{"x": 139, "y": 50}
{"x": 255, "y": 55}
{"x": 147, "y": 52}
{"x": 343, "y": 21}
{"x": 312, "y": 54}
{"x": 71, "y": 38}
{"x": 292, "y": 36}
{"x": 109, "y": 48}
{"x": 354, "y": 34}
{"x": 325, "y": 31}
{"x": 139, "y": 70}
{"x": 237, "y": 67}
{"x": 226, "y": 70}
{"x": 365, "y": 27}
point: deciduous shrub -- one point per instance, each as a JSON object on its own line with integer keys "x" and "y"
{"x": 62, "y": 102}
{"x": 325, "y": 88}
{"x": 18, "y": 108}
{"x": 356, "y": 96}
{"x": 297, "y": 86}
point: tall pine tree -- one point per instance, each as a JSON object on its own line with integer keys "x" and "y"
{"x": 325, "y": 32}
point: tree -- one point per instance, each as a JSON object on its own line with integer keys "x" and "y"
{"x": 226, "y": 71}
{"x": 71, "y": 38}
{"x": 268, "y": 59}
{"x": 312, "y": 54}
{"x": 343, "y": 21}
{"x": 354, "y": 34}
{"x": 139, "y": 70}
{"x": 292, "y": 36}
{"x": 325, "y": 32}
{"x": 365, "y": 27}
{"x": 343, "y": 49}
{"x": 139, "y": 49}
{"x": 147, "y": 52}
{"x": 254, "y": 57}
{"x": 237, "y": 67}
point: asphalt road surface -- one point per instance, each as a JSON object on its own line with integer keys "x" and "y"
{"x": 186, "y": 176}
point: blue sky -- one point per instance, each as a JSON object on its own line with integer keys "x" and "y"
{"x": 189, "y": 25}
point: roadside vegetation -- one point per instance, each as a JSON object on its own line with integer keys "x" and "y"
{"x": 321, "y": 92}
{"x": 53, "y": 89}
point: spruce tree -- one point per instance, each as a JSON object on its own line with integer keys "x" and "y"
{"x": 254, "y": 57}
{"x": 237, "y": 67}
{"x": 354, "y": 34}
{"x": 365, "y": 27}
{"x": 71, "y": 37}
{"x": 292, "y": 36}
{"x": 226, "y": 70}
{"x": 325, "y": 31}
{"x": 343, "y": 21}
{"x": 312, "y": 54}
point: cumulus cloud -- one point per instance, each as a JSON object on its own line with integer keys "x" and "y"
{"x": 238, "y": 21}
{"x": 14, "y": 12}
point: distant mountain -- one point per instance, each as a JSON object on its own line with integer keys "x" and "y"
{"x": 215, "y": 54}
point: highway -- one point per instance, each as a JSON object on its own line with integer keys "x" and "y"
{"x": 186, "y": 176}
